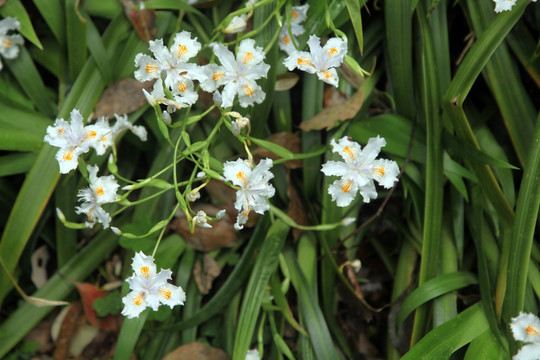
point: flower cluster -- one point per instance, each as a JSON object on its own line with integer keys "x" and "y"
{"x": 74, "y": 138}
{"x": 102, "y": 190}
{"x": 149, "y": 288}
{"x": 359, "y": 170}
{"x": 174, "y": 66}
{"x": 254, "y": 187}
{"x": 237, "y": 75}
{"x": 320, "y": 60}
{"x": 298, "y": 15}
{"x": 526, "y": 328}
{"x": 8, "y": 43}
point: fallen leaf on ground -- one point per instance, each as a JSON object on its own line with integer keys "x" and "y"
{"x": 89, "y": 293}
{"x": 122, "y": 97}
{"x": 222, "y": 233}
{"x": 205, "y": 276}
{"x": 143, "y": 21}
{"x": 330, "y": 115}
{"x": 197, "y": 351}
{"x": 333, "y": 96}
{"x": 286, "y": 140}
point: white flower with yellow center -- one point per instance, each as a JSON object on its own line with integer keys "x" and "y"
{"x": 238, "y": 74}
{"x": 102, "y": 190}
{"x": 149, "y": 289}
{"x": 173, "y": 63}
{"x": 526, "y": 328}
{"x": 73, "y": 139}
{"x": 359, "y": 170}
{"x": 254, "y": 187}
{"x": 8, "y": 43}
{"x": 298, "y": 15}
{"x": 320, "y": 60}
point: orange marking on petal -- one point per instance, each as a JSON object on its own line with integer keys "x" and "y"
{"x": 327, "y": 74}
{"x": 68, "y": 155}
{"x": 349, "y": 152}
{"x": 6, "y": 43}
{"x": 151, "y": 68}
{"x": 379, "y": 170}
{"x": 166, "y": 293}
{"x": 181, "y": 51}
{"x": 100, "y": 191}
{"x": 248, "y": 90}
{"x": 61, "y": 131}
{"x": 241, "y": 175}
{"x": 182, "y": 87}
{"x": 248, "y": 56}
{"x": 531, "y": 331}
{"x": 287, "y": 40}
{"x": 104, "y": 139}
{"x": 303, "y": 61}
{"x": 91, "y": 134}
{"x": 332, "y": 52}
{"x": 217, "y": 76}
{"x": 347, "y": 186}
{"x": 294, "y": 14}
{"x": 137, "y": 300}
{"x": 145, "y": 272}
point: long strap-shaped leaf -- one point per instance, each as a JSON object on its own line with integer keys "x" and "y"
{"x": 58, "y": 287}
{"x": 472, "y": 65}
{"x": 433, "y": 288}
{"x": 265, "y": 266}
{"x": 526, "y": 217}
{"x": 444, "y": 340}
{"x": 319, "y": 335}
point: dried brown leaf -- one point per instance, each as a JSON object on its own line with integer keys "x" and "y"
{"x": 333, "y": 96}
{"x": 205, "y": 276}
{"x": 122, "y": 97}
{"x": 286, "y": 81}
{"x": 222, "y": 233}
{"x": 197, "y": 351}
{"x": 287, "y": 140}
{"x": 330, "y": 115}
{"x": 296, "y": 210}
{"x": 69, "y": 325}
{"x": 143, "y": 21}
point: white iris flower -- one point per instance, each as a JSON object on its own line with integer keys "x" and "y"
{"x": 359, "y": 170}
{"x": 173, "y": 63}
{"x": 526, "y": 328}
{"x": 298, "y": 16}
{"x": 8, "y": 43}
{"x": 149, "y": 289}
{"x": 238, "y": 74}
{"x": 73, "y": 139}
{"x": 102, "y": 190}
{"x": 254, "y": 187}
{"x": 320, "y": 60}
